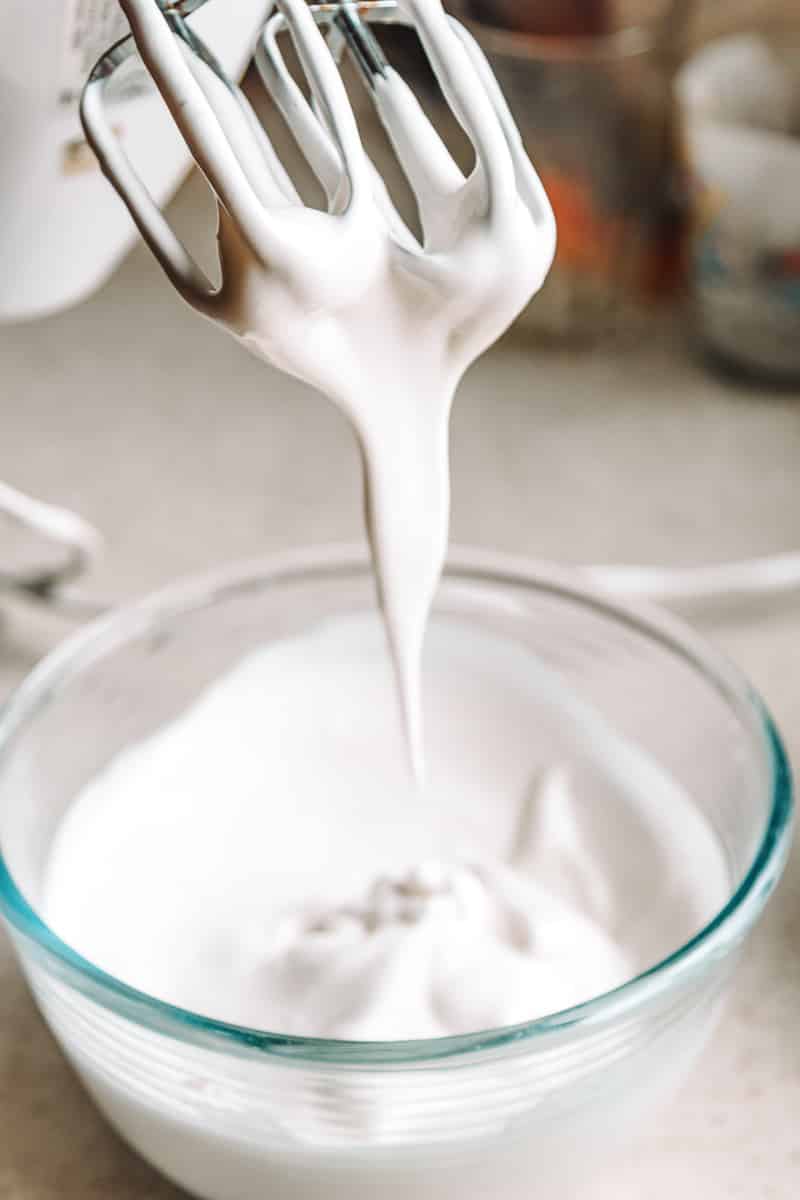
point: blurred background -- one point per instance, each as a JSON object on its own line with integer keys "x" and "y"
{"x": 645, "y": 410}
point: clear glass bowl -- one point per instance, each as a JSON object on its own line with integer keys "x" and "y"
{"x": 242, "y": 1114}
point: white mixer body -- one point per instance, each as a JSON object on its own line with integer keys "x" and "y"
{"x": 62, "y": 228}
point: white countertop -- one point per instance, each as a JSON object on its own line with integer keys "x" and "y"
{"x": 187, "y": 454}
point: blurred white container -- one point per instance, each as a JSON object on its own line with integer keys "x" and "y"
{"x": 741, "y": 98}
{"x": 62, "y": 229}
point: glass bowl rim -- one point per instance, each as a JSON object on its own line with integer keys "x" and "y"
{"x": 132, "y": 620}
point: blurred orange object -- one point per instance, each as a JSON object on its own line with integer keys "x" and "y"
{"x": 586, "y": 237}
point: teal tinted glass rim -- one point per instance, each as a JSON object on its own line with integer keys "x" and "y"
{"x": 476, "y": 567}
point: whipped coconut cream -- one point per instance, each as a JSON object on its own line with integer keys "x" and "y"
{"x": 263, "y": 860}
{"x": 444, "y": 949}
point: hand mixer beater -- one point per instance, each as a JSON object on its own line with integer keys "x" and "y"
{"x": 255, "y": 191}
{"x": 349, "y": 299}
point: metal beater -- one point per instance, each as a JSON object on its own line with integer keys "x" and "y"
{"x": 238, "y": 160}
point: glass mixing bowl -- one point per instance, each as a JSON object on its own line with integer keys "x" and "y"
{"x": 242, "y": 1114}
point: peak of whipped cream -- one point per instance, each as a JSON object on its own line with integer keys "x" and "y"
{"x": 446, "y": 947}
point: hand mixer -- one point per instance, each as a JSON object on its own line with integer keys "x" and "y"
{"x": 255, "y": 192}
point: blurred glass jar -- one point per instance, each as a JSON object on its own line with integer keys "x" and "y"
{"x": 740, "y": 92}
{"x": 597, "y": 115}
